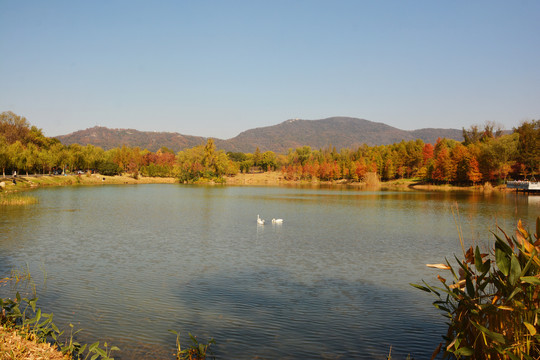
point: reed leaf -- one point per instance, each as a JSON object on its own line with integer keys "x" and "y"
{"x": 530, "y": 279}
{"x": 493, "y": 307}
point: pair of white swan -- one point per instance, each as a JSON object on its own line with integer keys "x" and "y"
{"x": 274, "y": 221}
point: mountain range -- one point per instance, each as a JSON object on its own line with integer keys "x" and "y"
{"x": 339, "y": 132}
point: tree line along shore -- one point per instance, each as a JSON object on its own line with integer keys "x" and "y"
{"x": 485, "y": 155}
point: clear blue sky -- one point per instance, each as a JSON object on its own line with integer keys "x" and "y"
{"x": 216, "y": 68}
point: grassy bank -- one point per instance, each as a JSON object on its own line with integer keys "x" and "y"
{"x": 31, "y": 182}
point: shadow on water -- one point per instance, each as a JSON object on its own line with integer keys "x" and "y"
{"x": 268, "y": 315}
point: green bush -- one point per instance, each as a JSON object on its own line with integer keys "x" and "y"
{"x": 493, "y": 303}
{"x": 108, "y": 169}
{"x": 155, "y": 170}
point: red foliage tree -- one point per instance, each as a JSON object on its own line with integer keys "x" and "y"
{"x": 474, "y": 173}
{"x": 427, "y": 153}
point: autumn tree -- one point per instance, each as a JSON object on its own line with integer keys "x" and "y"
{"x": 443, "y": 168}
{"x": 13, "y": 127}
{"x": 128, "y": 159}
{"x": 475, "y": 135}
{"x": 204, "y": 162}
{"x": 473, "y": 173}
{"x": 460, "y": 159}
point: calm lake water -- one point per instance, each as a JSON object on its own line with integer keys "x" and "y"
{"x": 127, "y": 263}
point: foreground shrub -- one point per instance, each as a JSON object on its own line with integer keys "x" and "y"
{"x": 492, "y": 304}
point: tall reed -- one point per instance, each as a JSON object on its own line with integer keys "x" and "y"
{"x": 16, "y": 199}
{"x": 492, "y": 302}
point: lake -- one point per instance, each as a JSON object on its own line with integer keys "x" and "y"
{"x": 127, "y": 263}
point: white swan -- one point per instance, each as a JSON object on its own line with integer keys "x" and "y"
{"x": 259, "y": 220}
{"x": 277, "y": 221}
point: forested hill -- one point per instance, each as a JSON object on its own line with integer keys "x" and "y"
{"x": 112, "y": 138}
{"x": 339, "y": 132}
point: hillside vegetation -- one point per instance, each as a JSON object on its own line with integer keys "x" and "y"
{"x": 341, "y": 132}
{"x": 485, "y": 155}
{"x": 108, "y": 139}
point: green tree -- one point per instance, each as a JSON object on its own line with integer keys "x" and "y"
{"x": 209, "y": 158}
{"x": 529, "y": 146}
{"x": 52, "y": 156}
{"x": 303, "y": 154}
{"x": 257, "y": 157}
{"x": 4, "y": 154}
{"x": 246, "y": 165}
{"x": 268, "y": 161}
{"x": 190, "y": 164}
{"x": 92, "y": 156}
{"x": 30, "y": 157}
{"x": 77, "y": 158}
{"x": 16, "y": 153}
{"x": 237, "y": 156}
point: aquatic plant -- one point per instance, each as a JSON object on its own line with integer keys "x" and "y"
{"x": 196, "y": 351}
{"x": 493, "y": 301}
{"x": 22, "y": 316}
{"x": 389, "y": 356}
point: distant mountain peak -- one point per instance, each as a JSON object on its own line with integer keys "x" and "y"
{"x": 339, "y": 131}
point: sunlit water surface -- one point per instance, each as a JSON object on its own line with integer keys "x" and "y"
{"x": 127, "y": 263}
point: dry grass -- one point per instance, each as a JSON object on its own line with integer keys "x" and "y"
{"x": 13, "y": 346}
{"x": 266, "y": 178}
{"x": 10, "y": 200}
{"x": 28, "y": 182}
{"x": 96, "y": 179}
{"x": 371, "y": 179}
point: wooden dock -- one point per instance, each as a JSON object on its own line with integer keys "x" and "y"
{"x": 523, "y": 185}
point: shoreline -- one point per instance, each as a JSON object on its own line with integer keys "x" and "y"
{"x": 273, "y": 178}
{"x": 276, "y": 178}
{"x": 30, "y": 182}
